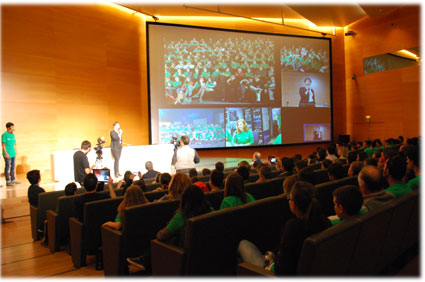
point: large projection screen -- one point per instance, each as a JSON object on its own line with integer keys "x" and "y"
{"x": 227, "y": 88}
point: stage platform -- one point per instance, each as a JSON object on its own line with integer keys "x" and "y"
{"x": 15, "y": 202}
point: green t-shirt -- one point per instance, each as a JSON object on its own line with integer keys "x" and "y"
{"x": 337, "y": 221}
{"x": 118, "y": 218}
{"x": 233, "y": 201}
{"x": 10, "y": 141}
{"x": 414, "y": 183}
{"x": 177, "y": 226}
{"x": 245, "y": 137}
{"x": 399, "y": 189}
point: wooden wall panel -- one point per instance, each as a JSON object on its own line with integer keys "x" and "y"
{"x": 69, "y": 71}
{"x": 391, "y": 98}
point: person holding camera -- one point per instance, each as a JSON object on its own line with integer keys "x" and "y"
{"x": 185, "y": 157}
{"x": 116, "y": 146}
{"x": 81, "y": 162}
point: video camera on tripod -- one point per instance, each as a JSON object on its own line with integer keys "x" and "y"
{"x": 99, "y": 147}
{"x": 175, "y": 141}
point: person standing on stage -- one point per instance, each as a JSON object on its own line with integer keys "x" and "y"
{"x": 9, "y": 153}
{"x": 116, "y": 147}
{"x": 81, "y": 162}
{"x": 185, "y": 158}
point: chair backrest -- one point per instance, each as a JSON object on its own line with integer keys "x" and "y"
{"x": 204, "y": 178}
{"x": 152, "y": 196}
{"x": 272, "y": 187}
{"x": 320, "y": 176}
{"x": 97, "y": 213}
{"x": 142, "y": 223}
{"x": 215, "y": 199}
{"x": 47, "y": 201}
{"x": 151, "y": 187}
{"x": 412, "y": 233}
{"x": 65, "y": 210}
{"x": 315, "y": 166}
{"x": 253, "y": 177}
{"x": 324, "y": 192}
{"x": 329, "y": 252}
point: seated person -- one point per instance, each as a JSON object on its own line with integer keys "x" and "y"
{"x": 326, "y": 163}
{"x": 370, "y": 161}
{"x": 413, "y": 164}
{"x": 243, "y": 171}
{"x": 299, "y": 165}
{"x": 289, "y": 182}
{"x": 34, "y": 178}
{"x": 308, "y": 221}
{"x": 216, "y": 180}
{"x": 355, "y": 168}
{"x": 286, "y": 166}
{"x": 71, "y": 189}
{"x": 264, "y": 173}
{"x": 90, "y": 194}
{"x": 206, "y": 171}
{"x": 219, "y": 166}
{"x": 234, "y": 192}
{"x": 133, "y": 197}
{"x": 394, "y": 170}
{"x": 256, "y": 159}
{"x": 348, "y": 202}
{"x": 127, "y": 181}
{"x": 336, "y": 171}
{"x": 179, "y": 182}
{"x": 307, "y": 174}
{"x": 151, "y": 173}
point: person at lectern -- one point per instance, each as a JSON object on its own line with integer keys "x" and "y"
{"x": 307, "y": 94}
{"x": 185, "y": 157}
{"x": 116, "y": 147}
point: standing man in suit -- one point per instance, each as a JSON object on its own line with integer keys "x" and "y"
{"x": 116, "y": 146}
{"x": 307, "y": 98}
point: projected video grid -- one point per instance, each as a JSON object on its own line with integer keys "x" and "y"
{"x": 228, "y": 89}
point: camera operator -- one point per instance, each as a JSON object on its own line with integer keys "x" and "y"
{"x": 116, "y": 146}
{"x": 184, "y": 158}
{"x": 81, "y": 163}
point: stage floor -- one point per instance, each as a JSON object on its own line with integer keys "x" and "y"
{"x": 15, "y": 202}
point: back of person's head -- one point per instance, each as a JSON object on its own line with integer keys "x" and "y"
{"x": 298, "y": 157}
{"x": 377, "y": 154}
{"x": 133, "y": 196}
{"x": 355, "y": 168}
{"x": 193, "y": 202}
{"x": 206, "y": 171}
{"x": 289, "y": 182}
{"x": 412, "y": 153}
{"x": 389, "y": 153}
{"x": 326, "y": 163}
{"x": 244, "y": 163}
{"x": 307, "y": 174}
{"x": 321, "y": 154}
{"x": 158, "y": 177}
{"x": 331, "y": 150}
{"x": 33, "y": 176}
{"x": 265, "y": 171}
{"x": 371, "y": 161}
{"x": 70, "y": 189}
{"x": 302, "y": 195}
{"x": 90, "y": 182}
{"x": 257, "y": 156}
{"x": 85, "y": 145}
{"x": 350, "y": 198}
{"x": 243, "y": 171}
{"x": 149, "y": 165}
{"x": 287, "y": 164}
{"x": 216, "y": 178}
{"x": 140, "y": 183}
{"x": 185, "y": 139}
{"x": 336, "y": 171}
{"x": 300, "y": 164}
{"x": 352, "y": 157}
{"x": 127, "y": 177}
{"x": 412, "y": 141}
{"x": 193, "y": 172}
{"x": 234, "y": 186}
{"x": 165, "y": 179}
{"x": 361, "y": 156}
{"x": 219, "y": 166}
{"x": 396, "y": 167}
{"x": 371, "y": 178}
{"x": 178, "y": 183}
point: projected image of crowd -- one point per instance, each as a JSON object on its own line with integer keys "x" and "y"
{"x": 303, "y": 59}
{"x": 218, "y": 71}
{"x": 201, "y": 135}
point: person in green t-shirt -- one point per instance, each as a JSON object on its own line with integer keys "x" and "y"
{"x": 412, "y": 161}
{"x": 243, "y": 135}
{"x": 192, "y": 204}
{"x": 9, "y": 153}
{"x": 234, "y": 192}
{"x": 348, "y": 202}
{"x": 394, "y": 170}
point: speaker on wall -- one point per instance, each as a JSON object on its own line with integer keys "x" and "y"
{"x": 344, "y": 139}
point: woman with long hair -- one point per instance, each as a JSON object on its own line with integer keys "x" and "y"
{"x": 243, "y": 135}
{"x": 179, "y": 182}
{"x": 133, "y": 197}
{"x": 234, "y": 192}
{"x": 308, "y": 221}
{"x": 192, "y": 203}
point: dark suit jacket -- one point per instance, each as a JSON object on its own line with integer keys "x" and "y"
{"x": 115, "y": 141}
{"x": 304, "y": 97}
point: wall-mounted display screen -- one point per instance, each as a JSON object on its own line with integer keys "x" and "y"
{"x": 226, "y": 88}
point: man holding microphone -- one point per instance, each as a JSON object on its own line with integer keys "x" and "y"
{"x": 116, "y": 146}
